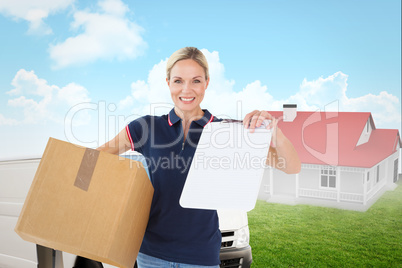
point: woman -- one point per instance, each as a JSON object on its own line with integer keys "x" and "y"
{"x": 188, "y": 237}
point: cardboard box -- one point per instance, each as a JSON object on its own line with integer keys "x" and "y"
{"x": 88, "y": 203}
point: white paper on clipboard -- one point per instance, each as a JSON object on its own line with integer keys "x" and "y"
{"x": 227, "y": 167}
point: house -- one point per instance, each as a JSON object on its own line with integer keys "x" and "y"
{"x": 346, "y": 161}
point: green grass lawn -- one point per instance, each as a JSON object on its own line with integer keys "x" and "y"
{"x": 309, "y": 236}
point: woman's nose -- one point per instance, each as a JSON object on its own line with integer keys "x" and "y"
{"x": 186, "y": 86}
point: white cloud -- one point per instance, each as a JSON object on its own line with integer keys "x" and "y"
{"x": 115, "y": 7}
{"x": 36, "y": 101}
{"x": 34, "y": 12}
{"x": 384, "y": 107}
{"x": 73, "y": 94}
{"x": 217, "y": 72}
{"x": 147, "y": 96}
{"x": 139, "y": 93}
{"x": 324, "y": 90}
{"x": 7, "y": 121}
{"x": 26, "y": 82}
{"x": 106, "y": 35}
{"x": 222, "y": 100}
{"x": 220, "y": 97}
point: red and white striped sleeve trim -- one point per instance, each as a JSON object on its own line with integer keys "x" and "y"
{"x": 129, "y": 137}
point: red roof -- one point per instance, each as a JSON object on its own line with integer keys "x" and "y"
{"x": 330, "y": 138}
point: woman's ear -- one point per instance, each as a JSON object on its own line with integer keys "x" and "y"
{"x": 207, "y": 83}
{"x": 167, "y": 81}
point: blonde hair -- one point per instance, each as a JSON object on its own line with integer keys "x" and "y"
{"x": 184, "y": 54}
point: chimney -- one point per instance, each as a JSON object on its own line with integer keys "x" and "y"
{"x": 289, "y": 112}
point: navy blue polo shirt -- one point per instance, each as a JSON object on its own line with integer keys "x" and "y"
{"x": 174, "y": 233}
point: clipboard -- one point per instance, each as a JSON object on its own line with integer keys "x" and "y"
{"x": 227, "y": 167}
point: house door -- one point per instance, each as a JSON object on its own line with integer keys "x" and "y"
{"x": 396, "y": 170}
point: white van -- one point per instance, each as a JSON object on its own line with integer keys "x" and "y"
{"x": 15, "y": 180}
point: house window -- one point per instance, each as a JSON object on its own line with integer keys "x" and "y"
{"x": 328, "y": 177}
{"x": 368, "y": 176}
{"x": 378, "y": 173}
{"x": 396, "y": 170}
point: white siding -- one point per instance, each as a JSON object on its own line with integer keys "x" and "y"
{"x": 390, "y": 166}
{"x": 352, "y": 182}
{"x": 309, "y": 179}
{"x": 284, "y": 184}
{"x": 352, "y": 191}
{"x": 265, "y": 185}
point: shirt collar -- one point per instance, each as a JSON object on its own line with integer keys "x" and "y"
{"x": 173, "y": 118}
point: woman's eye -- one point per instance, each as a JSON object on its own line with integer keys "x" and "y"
{"x": 177, "y": 81}
{"x": 197, "y": 81}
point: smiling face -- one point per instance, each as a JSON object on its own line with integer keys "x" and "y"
{"x": 187, "y": 86}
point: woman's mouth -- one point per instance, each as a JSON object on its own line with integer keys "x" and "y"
{"x": 186, "y": 99}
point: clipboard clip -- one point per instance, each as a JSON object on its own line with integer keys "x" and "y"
{"x": 225, "y": 121}
{"x": 264, "y": 124}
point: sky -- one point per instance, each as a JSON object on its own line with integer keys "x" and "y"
{"x": 81, "y": 70}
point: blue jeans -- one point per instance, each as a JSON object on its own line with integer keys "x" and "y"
{"x": 145, "y": 261}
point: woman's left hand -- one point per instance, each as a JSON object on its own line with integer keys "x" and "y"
{"x": 255, "y": 119}
{"x": 282, "y": 154}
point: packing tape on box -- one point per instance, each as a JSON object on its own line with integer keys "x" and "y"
{"x": 86, "y": 169}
